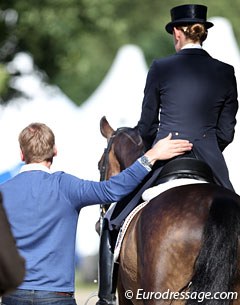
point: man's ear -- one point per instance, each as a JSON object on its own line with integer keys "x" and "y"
{"x": 22, "y": 156}
{"x": 54, "y": 151}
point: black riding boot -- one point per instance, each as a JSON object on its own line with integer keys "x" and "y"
{"x": 106, "y": 286}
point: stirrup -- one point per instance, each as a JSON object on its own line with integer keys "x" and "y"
{"x": 107, "y": 302}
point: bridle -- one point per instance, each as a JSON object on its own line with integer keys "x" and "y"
{"x": 104, "y": 164}
{"x": 105, "y": 158}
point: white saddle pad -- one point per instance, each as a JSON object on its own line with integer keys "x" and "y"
{"x": 158, "y": 189}
{"x": 147, "y": 196}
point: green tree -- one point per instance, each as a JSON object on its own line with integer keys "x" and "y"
{"x": 75, "y": 41}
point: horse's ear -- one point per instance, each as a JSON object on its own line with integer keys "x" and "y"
{"x": 105, "y": 128}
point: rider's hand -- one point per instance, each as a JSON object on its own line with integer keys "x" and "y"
{"x": 167, "y": 148}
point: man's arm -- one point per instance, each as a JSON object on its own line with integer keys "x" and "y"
{"x": 108, "y": 191}
{"x": 12, "y": 265}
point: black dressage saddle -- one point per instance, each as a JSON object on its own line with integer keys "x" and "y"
{"x": 185, "y": 168}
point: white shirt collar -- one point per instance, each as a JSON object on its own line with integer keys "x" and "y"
{"x": 34, "y": 167}
{"x": 192, "y": 46}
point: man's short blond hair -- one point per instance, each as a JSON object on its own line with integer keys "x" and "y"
{"x": 37, "y": 142}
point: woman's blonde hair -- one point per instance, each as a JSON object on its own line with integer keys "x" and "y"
{"x": 195, "y": 32}
{"x": 37, "y": 142}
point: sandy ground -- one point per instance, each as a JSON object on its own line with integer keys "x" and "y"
{"x": 86, "y": 296}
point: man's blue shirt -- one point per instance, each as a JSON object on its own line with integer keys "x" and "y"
{"x": 43, "y": 210}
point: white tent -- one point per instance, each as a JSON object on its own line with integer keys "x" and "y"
{"x": 118, "y": 97}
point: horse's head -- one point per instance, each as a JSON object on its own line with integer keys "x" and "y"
{"x": 124, "y": 146}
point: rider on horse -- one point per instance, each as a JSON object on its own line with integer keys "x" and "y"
{"x": 191, "y": 95}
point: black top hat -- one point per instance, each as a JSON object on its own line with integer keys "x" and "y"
{"x": 188, "y": 14}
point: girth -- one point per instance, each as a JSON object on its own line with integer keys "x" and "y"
{"x": 185, "y": 168}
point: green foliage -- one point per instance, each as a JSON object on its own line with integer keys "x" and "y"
{"x": 75, "y": 41}
{"x": 4, "y": 79}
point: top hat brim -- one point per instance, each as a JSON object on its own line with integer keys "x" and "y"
{"x": 169, "y": 27}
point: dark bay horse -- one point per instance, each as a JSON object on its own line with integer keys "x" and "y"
{"x": 182, "y": 247}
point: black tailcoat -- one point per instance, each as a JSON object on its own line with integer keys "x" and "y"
{"x": 193, "y": 96}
